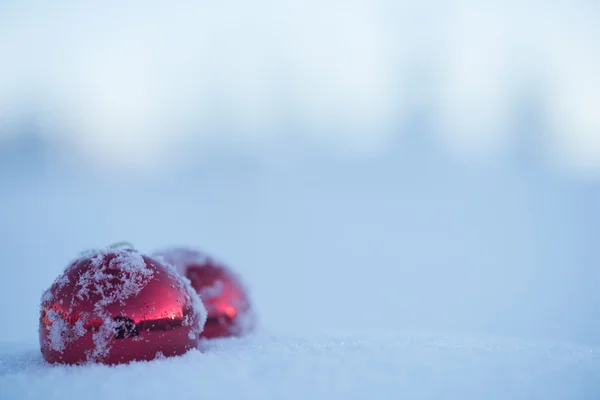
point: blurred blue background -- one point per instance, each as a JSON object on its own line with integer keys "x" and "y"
{"x": 381, "y": 165}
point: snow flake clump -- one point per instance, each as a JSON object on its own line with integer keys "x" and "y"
{"x": 127, "y": 267}
{"x": 102, "y": 339}
{"x": 212, "y": 291}
{"x": 181, "y": 256}
{"x": 60, "y": 333}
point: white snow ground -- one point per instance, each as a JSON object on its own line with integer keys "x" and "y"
{"x": 415, "y": 366}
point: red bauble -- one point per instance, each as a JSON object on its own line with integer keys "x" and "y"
{"x": 221, "y": 290}
{"x": 116, "y": 306}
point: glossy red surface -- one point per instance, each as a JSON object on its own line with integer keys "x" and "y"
{"x": 225, "y": 297}
{"x": 118, "y": 306}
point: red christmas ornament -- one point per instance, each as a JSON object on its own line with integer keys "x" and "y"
{"x": 116, "y": 306}
{"x": 221, "y": 290}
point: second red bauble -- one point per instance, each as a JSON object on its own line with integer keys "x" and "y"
{"x": 224, "y": 295}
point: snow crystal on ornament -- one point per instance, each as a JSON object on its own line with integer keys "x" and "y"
{"x": 212, "y": 291}
{"x": 183, "y": 256}
{"x": 127, "y": 267}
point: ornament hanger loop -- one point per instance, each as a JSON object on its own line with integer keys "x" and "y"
{"x": 121, "y": 245}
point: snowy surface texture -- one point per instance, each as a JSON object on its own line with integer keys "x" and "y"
{"x": 415, "y": 366}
